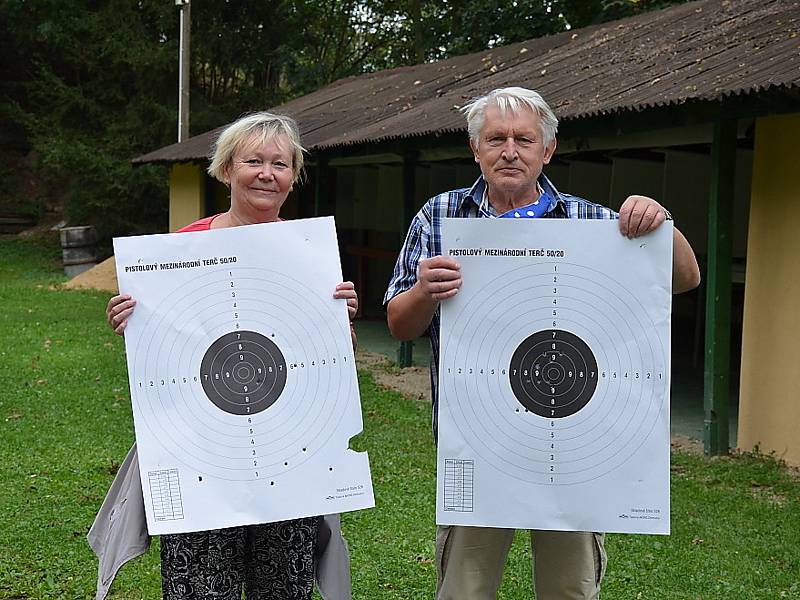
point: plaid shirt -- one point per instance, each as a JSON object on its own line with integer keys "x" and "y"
{"x": 424, "y": 240}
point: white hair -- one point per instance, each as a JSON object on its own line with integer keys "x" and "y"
{"x": 510, "y": 99}
{"x": 256, "y": 128}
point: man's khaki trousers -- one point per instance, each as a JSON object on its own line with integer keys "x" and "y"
{"x": 470, "y": 561}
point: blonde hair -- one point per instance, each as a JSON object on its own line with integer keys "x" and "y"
{"x": 257, "y": 128}
{"x": 510, "y": 98}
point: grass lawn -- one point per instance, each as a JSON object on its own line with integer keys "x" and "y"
{"x": 65, "y": 424}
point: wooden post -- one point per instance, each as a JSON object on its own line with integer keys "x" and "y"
{"x": 321, "y": 194}
{"x": 405, "y": 352}
{"x": 718, "y": 288}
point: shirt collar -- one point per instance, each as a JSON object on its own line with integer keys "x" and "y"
{"x": 478, "y": 189}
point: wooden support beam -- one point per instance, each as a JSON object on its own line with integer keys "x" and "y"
{"x": 405, "y": 352}
{"x": 321, "y": 191}
{"x": 209, "y": 188}
{"x": 718, "y": 288}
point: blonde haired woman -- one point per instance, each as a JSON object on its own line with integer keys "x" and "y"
{"x": 259, "y": 158}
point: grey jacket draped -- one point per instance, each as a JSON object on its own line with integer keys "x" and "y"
{"x": 119, "y": 534}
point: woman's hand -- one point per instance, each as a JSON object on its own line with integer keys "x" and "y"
{"x": 347, "y": 291}
{"x": 118, "y": 310}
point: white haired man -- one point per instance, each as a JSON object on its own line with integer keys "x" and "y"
{"x": 512, "y": 136}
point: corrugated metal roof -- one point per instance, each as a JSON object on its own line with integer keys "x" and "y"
{"x": 704, "y": 50}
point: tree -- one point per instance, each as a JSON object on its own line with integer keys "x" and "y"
{"x": 89, "y": 85}
{"x": 86, "y": 92}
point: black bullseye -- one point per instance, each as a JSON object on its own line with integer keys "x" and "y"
{"x": 553, "y": 373}
{"x": 243, "y": 372}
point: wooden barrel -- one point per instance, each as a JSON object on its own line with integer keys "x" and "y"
{"x": 78, "y": 249}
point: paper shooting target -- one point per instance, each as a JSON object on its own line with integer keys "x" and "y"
{"x": 550, "y": 372}
{"x": 234, "y": 385}
{"x": 243, "y": 372}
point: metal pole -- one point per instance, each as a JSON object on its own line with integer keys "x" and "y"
{"x": 184, "y": 66}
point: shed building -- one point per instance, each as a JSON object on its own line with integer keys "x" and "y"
{"x": 697, "y": 105}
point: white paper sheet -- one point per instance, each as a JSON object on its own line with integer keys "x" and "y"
{"x": 242, "y": 376}
{"x": 554, "y": 377}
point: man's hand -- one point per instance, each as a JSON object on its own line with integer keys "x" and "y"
{"x": 640, "y": 215}
{"x": 439, "y": 277}
{"x": 118, "y": 310}
{"x": 409, "y": 313}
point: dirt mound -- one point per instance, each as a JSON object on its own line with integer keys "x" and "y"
{"x": 101, "y": 277}
{"x": 413, "y": 382}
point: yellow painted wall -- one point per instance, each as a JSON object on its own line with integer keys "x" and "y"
{"x": 769, "y": 404}
{"x": 186, "y": 193}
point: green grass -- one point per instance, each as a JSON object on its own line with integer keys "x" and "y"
{"x": 65, "y": 423}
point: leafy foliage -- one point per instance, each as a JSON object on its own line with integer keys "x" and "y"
{"x": 87, "y": 93}
{"x": 89, "y": 85}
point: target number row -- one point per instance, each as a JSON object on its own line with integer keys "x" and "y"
{"x": 603, "y": 374}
